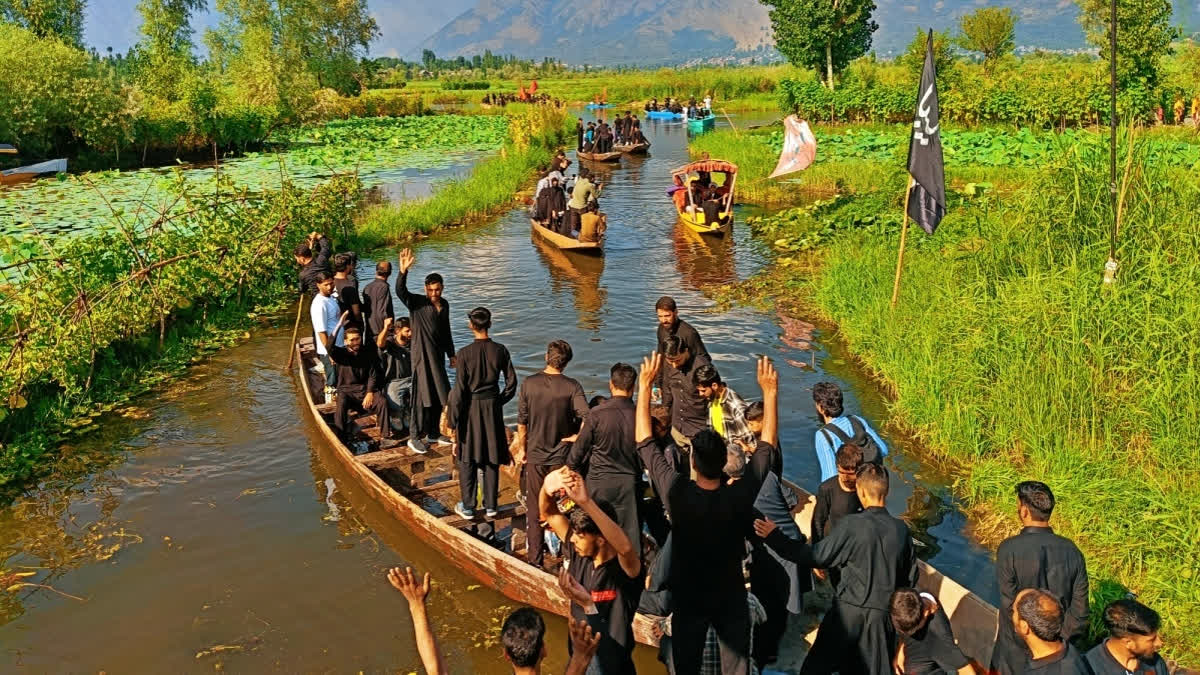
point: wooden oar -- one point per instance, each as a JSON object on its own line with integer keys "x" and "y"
{"x": 295, "y": 330}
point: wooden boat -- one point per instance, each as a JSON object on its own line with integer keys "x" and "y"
{"x": 614, "y": 156}
{"x": 419, "y": 491}
{"x": 702, "y": 123}
{"x": 663, "y": 115}
{"x": 598, "y": 106}
{"x": 633, "y": 148}
{"x": 566, "y": 243}
{"x": 23, "y": 173}
{"x": 695, "y": 218}
{"x": 6, "y": 149}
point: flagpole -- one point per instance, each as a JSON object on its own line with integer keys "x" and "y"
{"x": 903, "y": 237}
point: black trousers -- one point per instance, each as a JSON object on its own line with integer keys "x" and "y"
{"x": 352, "y": 399}
{"x": 535, "y": 475}
{"x": 769, "y": 582}
{"x": 730, "y": 619}
{"x": 621, "y": 493}
{"x": 570, "y": 221}
{"x": 425, "y": 421}
{"x": 467, "y": 482}
{"x": 851, "y": 640}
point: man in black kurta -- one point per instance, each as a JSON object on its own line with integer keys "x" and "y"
{"x": 1037, "y": 620}
{"x": 837, "y": 498}
{"x": 377, "y": 300}
{"x": 345, "y": 287}
{"x": 313, "y": 257}
{"x": 670, "y": 324}
{"x": 875, "y": 554}
{"x": 431, "y": 345}
{"x": 927, "y": 645}
{"x": 359, "y": 385}
{"x": 1038, "y": 558}
{"x": 710, "y": 521}
{"x": 689, "y": 410}
{"x": 605, "y": 452}
{"x": 482, "y": 440}
{"x": 549, "y": 409}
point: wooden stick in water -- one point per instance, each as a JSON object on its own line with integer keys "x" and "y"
{"x": 295, "y": 330}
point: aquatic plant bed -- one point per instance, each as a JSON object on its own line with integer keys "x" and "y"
{"x": 380, "y": 149}
{"x": 1007, "y": 357}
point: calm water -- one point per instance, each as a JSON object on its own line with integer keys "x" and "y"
{"x": 216, "y": 534}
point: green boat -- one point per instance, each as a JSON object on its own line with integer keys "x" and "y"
{"x": 702, "y": 123}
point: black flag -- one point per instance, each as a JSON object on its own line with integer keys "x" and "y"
{"x": 927, "y": 198}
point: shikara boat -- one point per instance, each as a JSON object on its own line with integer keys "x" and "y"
{"x": 6, "y": 149}
{"x": 420, "y": 490}
{"x": 664, "y": 115}
{"x": 566, "y": 243}
{"x": 614, "y": 156}
{"x": 702, "y": 123}
{"x": 693, "y": 215}
{"x": 23, "y": 173}
{"x": 598, "y": 106}
{"x": 632, "y": 148}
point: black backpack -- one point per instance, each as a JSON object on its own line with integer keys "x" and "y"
{"x": 870, "y": 449}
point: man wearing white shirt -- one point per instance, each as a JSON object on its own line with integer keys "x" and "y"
{"x": 325, "y": 312}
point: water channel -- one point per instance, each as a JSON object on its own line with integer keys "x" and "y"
{"x": 209, "y": 530}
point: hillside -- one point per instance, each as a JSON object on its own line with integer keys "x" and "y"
{"x": 672, "y": 31}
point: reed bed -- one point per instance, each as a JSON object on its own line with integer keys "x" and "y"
{"x": 1008, "y": 357}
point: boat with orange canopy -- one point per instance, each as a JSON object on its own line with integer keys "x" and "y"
{"x": 715, "y": 179}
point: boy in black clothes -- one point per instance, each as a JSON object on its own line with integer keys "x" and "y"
{"x": 836, "y": 498}
{"x": 927, "y": 645}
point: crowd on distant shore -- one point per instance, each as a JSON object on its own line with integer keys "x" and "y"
{"x": 667, "y": 498}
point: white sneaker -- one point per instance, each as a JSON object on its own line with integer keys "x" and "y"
{"x": 418, "y": 446}
{"x": 319, "y": 368}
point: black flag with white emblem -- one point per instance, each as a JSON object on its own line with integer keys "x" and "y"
{"x": 927, "y": 197}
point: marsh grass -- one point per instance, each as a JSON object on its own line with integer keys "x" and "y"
{"x": 1008, "y": 357}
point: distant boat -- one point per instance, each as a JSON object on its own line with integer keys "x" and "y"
{"x": 664, "y": 115}
{"x": 598, "y": 106}
{"x": 7, "y": 149}
{"x": 23, "y": 173}
{"x": 702, "y": 123}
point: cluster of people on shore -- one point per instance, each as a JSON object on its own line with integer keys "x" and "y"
{"x": 571, "y": 206}
{"x": 599, "y": 137}
{"x": 693, "y": 109}
{"x": 666, "y": 498}
{"x": 501, "y": 99}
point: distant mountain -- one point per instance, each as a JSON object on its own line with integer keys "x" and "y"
{"x": 608, "y": 32}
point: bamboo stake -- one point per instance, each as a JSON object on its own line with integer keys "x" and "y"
{"x": 903, "y": 236}
{"x": 295, "y": 330}
{"x": 731, "y": 124}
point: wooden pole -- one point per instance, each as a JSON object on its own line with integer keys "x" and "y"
{"x": 731, "y": 124}
{"x": 903, "y": 236}
{"x": 295, "y": 330}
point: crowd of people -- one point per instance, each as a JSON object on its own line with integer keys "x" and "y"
{"x": 666, "y": 498}
{"x": 694, "y": 109}
{"x": 600, "y": 137}
{"x": 569, "y": 207}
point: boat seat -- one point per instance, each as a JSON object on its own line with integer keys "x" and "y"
{"x": 505, "y": 511}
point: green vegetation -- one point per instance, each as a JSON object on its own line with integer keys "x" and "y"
{"x": 820, "y": 35}
{"x": 370, "y": 147}
{"x": 59, "y": 19}
{"x": 990, "y": 31}
{"x": 1007, "y": 357}
{"x": 535, "y": 134}
{"x": 79, "y": 313}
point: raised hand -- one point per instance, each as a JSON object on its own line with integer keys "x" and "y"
{"x": 768, "y": 377}
{"x": 574, "y": 590}
{"x": 649, "y": 373}
{"x": 406, "y": 582}
{"x": 584, "y": 641}
{"x": 407, "y": 259}
{"x": 763, "y": 528}
{"x": 576, "y": 489}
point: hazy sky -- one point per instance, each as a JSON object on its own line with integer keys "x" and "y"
{"x": 404, "y": 23}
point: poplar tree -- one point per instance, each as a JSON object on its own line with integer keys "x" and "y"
{"x": 825, "y": 35}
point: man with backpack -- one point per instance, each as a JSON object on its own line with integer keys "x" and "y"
{"x": 838, "y": 428}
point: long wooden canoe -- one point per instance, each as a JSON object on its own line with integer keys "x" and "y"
{"x": 420, "y": 490}
{"x": 632, "y": 148}
{"x": 614, "y": 156}
{"x": 566, "y": 243}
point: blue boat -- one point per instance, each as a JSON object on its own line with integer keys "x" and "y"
{"x": 702, "y": 123}
{"x": 598, "y": 106}
{"x": 664, "y": 115}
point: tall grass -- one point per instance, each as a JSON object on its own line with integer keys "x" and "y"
{"x": 535, "y": 134}
{"x": 1008, "y": 356}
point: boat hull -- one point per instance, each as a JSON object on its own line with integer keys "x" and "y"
{"x": 614, "y": 156}
{"x": 598, "y": 106}
{"x": 696, "y": 223}
{"x": 664, "y": 115}
{"x": 565, "y": 243}
{"x": 702, "y": 123}
{"x": 632, "y": 148}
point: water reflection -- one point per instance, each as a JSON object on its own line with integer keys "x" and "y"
{"x": 577, "y": 276}
{"x": 703, "y": 261}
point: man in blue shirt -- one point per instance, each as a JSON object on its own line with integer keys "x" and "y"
{"x": 827, "y": 397}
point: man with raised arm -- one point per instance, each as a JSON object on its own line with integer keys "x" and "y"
{"x": 875, "y": 554}
{"x": 431, "y": 345}
{"x": 312, "y": 255}
{"x": 711, "y": 519}
{"x": 603, "y": 576}
{"x": 1038, "y": 558}
{"x": 549, "y": 407}
{"x": 359, "y": 385}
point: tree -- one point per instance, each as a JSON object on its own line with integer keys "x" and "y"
{"x": 826, "y": 34}
{"x": 62, "y": 19}
{"x": 1144, "y": 35}
{"x": 989, "y": 31}
{"x": 163, "y": 55}
{"x": 943, "y": 56}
